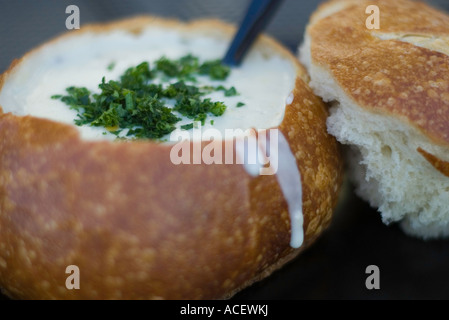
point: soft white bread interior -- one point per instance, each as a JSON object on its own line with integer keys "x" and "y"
{"x": 389, "y": 91}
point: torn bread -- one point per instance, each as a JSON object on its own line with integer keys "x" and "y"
{"x": 389, "y": 91}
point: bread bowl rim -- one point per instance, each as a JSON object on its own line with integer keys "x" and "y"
{"x": 329, "y": 184}
{"x": 136, "y": 24}
{"x": 331, "y": 7}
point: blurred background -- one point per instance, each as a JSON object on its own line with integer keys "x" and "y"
{"x": 334, "y": 267}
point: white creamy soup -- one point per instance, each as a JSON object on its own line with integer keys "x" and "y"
{"x": 263, "y": 83}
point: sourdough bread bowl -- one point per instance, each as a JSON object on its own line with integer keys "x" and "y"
{"x": 389, "y": 88}
{"x": 135, "y": 224}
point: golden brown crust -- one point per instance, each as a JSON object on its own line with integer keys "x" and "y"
{"x": 440, "y": 165}
{"x": 140, "y": 227}
{"x": 394, "y": 76}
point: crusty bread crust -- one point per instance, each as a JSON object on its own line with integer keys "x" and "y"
{"x": 389, "y": 88}
{"x": 140, "y": 227}
{"x": 440, "y": 165}
{"x": 401, "y": 70}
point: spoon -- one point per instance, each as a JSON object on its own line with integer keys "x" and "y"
{"x": 258, "y": 15}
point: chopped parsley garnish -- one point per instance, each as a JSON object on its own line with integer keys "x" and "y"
{"x": 187, "y": 126}
{"x": 187, "y": 66}
{"x": 111, "y": 66}
{"x": 227, "y": 92}
{"x": 138, "y": 103}
{"x": 215, "y": 69}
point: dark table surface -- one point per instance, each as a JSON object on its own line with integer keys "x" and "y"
{"x": 334, "y": 267}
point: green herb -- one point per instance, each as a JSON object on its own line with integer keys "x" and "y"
{"x": 111, "y": 66}
{"x": 187, "y": 126}
{"x": 193, "y": 107}
{"x": 136, "y": 78}
{"x": 169, "y": 67}
{"x": 228, "y": 92}
{"x": 139, "y": 104}
{"x": 240, "y": 104}
{"x": 189, "y": 65}
{"x": 215, "y": 69}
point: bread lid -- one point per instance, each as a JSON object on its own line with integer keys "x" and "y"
{"x": 400, "y": 70}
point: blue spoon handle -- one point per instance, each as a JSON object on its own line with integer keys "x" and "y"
{"x": 257, "y": 17}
